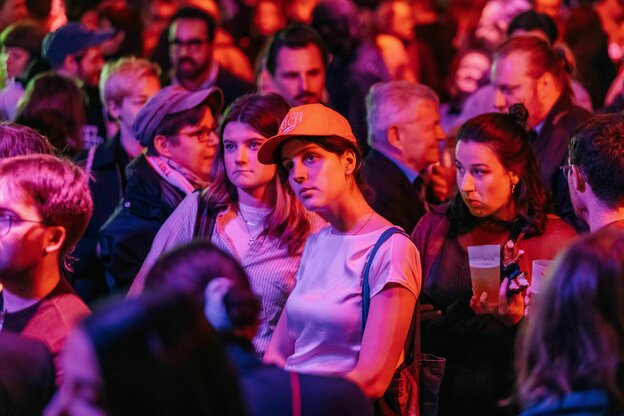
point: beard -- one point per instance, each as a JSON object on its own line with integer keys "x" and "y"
{"x": 189, "y": 68}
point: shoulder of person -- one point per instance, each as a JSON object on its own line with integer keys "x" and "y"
{"x": 557, "y": 227}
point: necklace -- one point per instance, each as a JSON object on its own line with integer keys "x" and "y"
{"x": 252, "y": 238}
{"x": 370, "y": 217}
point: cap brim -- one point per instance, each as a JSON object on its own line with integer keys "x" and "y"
{"x": 97, "y": 38}
{"x": 267, "y": 152}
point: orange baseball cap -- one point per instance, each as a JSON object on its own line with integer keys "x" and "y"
{"x": 309, "y": 120}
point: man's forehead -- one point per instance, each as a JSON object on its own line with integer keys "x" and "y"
{"x": 186, "y": 27}
{"x": 311, "y": 51}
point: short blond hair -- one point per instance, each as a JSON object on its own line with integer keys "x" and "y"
{"x": 119, "y": 78}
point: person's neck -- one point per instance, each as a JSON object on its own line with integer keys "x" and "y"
{"x": 260, "y": 197}
{"x": 129, "y": 143}
{"x": 598, "y": 216}
{"x": 348, "y": 214}
{"x": 25, "y": 290}
{"x": 547, "y": 106}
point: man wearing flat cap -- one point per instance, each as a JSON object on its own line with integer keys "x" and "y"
{"x": 178, "y": 128}
{"x": 75, "y": 52}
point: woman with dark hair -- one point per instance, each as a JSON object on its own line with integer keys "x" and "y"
{"x": 246, "y": 211}
{"x": 221, "y": 285}
{"x": 500, "y": 200}
{"x": 155, "y": 355}
{"x": 54, "y": 105}
{"x": 570, "y": 355}
{"x": 324, "y": 328}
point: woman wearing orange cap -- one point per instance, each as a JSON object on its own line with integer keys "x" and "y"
{"x": 246, "y": 211}
{"x": 321, "y": 330}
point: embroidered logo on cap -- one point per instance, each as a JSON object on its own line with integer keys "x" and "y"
{"x": 290, "y": 122}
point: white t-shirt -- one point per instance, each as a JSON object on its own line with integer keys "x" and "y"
{"x": 324, "y": 311}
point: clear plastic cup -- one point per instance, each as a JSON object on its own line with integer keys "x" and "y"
{"x": 485, "y": 272}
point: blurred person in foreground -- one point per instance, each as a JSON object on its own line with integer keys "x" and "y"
{"x": 222, "y": 286}
{"x": 154, "y": 355}
{"x": 569, "y": 355}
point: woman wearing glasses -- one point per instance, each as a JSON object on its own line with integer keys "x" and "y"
{"x": 500, "y": 200}
{"x": 246, "y": 211}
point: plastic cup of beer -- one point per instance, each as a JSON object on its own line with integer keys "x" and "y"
{"x": 485, "y": 272}
{"x": 538, "y": 273}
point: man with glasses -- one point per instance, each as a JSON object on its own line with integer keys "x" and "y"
{"x": 191, "y": 47}
{"x": 45, "y": 205}
{"x": 595, "y": 171}
{"x": 178, "y": 128}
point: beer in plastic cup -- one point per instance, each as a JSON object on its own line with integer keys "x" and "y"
{"x": 538, "y": 272}
{"x": 485, "y": 272}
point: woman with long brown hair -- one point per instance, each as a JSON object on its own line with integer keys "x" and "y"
{"x": 246, "y": 211}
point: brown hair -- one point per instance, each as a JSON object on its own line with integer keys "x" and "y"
{"x": 54, "y": 105}
{"x": 574, "y": 339}
{"x": 288, "y": 221}
{"x": 505, "y": 135}
{"x": 59, "y": 190}
{"x": 16, "y": 140}
{"x": 541, "y": 58}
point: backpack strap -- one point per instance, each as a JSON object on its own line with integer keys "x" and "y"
{"x": 412, "y": 342}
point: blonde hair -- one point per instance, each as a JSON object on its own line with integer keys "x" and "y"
{"x": 119, "y": 78}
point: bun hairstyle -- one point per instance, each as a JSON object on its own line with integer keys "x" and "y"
{"x": 506, "y": 135}
{"x": 189, "y": 268}
{"x": 520, "y": 115}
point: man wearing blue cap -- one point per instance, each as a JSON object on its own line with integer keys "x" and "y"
{"x": 178, "y": 128}
{"x": 74, "y": 51}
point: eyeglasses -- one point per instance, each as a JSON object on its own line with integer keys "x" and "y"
{"x": 192, "y": 44}
{"x": 6, "y": 222}
{"x": 202, "y": 135}
{"x": 566, "y": 169}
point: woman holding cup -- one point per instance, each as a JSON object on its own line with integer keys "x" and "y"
{"x": 500, "y": 201}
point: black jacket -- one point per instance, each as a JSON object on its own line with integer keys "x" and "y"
{"x": 551, "y": 151}
{"x": 107, "y": 184}
{"x": 126, "y": 238}
{"x": 395, "y": 199}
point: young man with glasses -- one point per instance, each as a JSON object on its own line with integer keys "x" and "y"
{"x": 595, "y": 171}
{"x": 191, "y": 47}
{"x": 45, "y": 205}
{"x": 178, "y": 128}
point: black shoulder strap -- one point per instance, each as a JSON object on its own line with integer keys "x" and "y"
{"x": 205, "y": 220}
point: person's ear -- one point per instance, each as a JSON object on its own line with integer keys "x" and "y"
{"x": 545, "y": 85}
{"x": 70, "y": 65}
{"x": 350, "y": 161}
{"x": 114, "y": 109}
{"x": 514, "y": 179}
{"x": 393, "y": 135}
{"x": 162, "y": 145}
{"x": 578, "y": 180}
{"x": 55, "y": 237}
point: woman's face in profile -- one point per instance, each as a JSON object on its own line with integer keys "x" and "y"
{"x": 81, "y": 393}
{"x": 484, "y": 183}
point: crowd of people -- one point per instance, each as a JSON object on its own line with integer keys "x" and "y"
{"x": 245, "y": 207}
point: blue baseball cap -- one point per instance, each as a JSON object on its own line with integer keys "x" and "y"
{"x": 69, "y": 40}
{"x": 171, "y": 100}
